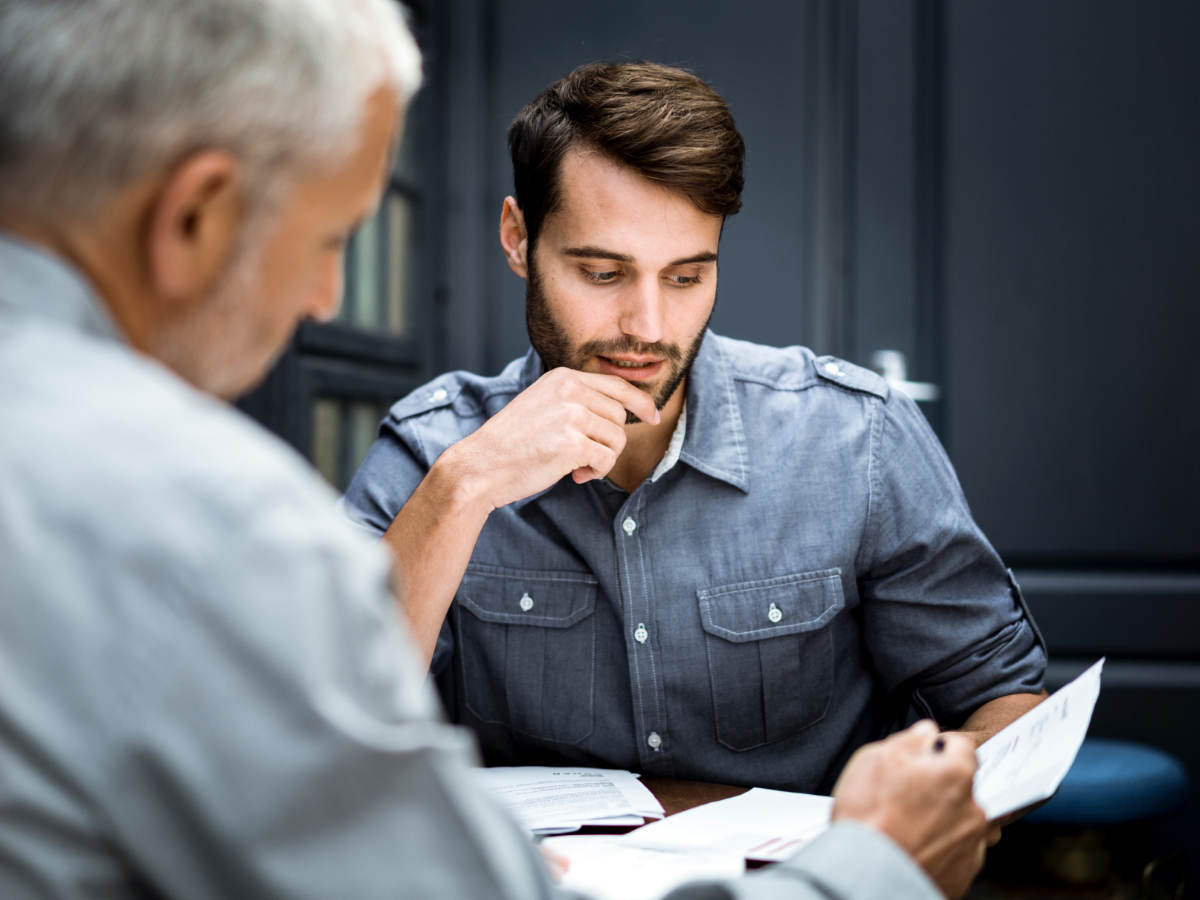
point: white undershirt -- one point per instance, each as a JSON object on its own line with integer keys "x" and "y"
{"x": 674, "y": 448}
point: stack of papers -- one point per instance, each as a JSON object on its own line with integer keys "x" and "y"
{"x": 761, "y": 824}
{"x": 1020, "y": 765}
{"x": 554, "y": 800}
{"x": 707, "y": 842}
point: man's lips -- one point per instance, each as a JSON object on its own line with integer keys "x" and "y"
{"x": 630, "y": 366}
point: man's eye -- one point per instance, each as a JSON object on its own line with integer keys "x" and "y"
{"x": 683, "y": 280}
{"x": 600, "y": 277}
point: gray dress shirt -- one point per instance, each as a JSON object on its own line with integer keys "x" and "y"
{"x": 205, "y": 690}
{"x": 751, "y": 615}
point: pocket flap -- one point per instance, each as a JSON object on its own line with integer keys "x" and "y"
{"x": 772, "y": 607}
{"x": 524, "y": 597}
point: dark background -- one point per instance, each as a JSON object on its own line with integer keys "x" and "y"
{"x": 1005, "y": 191}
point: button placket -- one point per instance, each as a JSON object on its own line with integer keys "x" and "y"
{"x": 644, "y": 672}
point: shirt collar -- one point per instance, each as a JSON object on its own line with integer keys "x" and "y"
{"x": 34, "y": 282}
{"x": 715, "y": 443}
{"x": 710, "y": 426}
{"x": 531, "y": 369}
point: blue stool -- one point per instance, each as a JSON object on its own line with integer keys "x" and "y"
{"x": 1104, "y": 827}
{"x": 1115, "y": 782}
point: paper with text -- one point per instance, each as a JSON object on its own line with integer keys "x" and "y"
{"x": 760, "y": 824}
{"x": 552, "y": 799}
{"x": 1026, "y": 761}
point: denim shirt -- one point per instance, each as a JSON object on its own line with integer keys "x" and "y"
{"x": 806, "y": 571}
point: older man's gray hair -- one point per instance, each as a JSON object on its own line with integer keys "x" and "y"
{"x": 95, "y": 94}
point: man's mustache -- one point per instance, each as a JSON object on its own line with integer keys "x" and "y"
{"x": 669, "y": 352}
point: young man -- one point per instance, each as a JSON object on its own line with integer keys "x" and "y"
{"x": 667, "y": 550}
{"x": 205, "y": 690}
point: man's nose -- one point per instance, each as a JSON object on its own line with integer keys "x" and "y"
{"x": 641, "y": 311}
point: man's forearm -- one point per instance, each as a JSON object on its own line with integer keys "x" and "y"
{"x": 995, "y": 714}
{"x": 432, "y": 538}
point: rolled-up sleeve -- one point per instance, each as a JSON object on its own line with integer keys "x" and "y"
{"x": 384, "y": 482}
{"x": 942, "y": 616}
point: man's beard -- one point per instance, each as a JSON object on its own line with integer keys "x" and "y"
{"x": 554, "y": 347}
{"x": 215, "y": 344}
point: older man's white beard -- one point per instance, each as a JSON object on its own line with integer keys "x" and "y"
{"x": 213, "y": 345}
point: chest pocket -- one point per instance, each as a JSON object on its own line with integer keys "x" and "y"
{"x": 527, "y": 650}
{"x": 770, "y": 654}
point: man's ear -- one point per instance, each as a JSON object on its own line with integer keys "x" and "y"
{"x": 193, "y": 224}
{"x": 513, "y": 237}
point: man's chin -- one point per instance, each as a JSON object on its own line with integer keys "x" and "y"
{"x": 647, "y": 386}
{"x": 653, "y": 388}
{"x": 234, "y": 382}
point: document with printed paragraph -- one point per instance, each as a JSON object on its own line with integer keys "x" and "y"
{"x": 558, "y": 799}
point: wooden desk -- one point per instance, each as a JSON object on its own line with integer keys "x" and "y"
{"x": 676, "y": 794}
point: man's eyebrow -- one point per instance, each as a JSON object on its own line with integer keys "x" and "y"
{"x": 706, "y": 256}
{"x": 596, "y": 253}
{"x": 601, "y": 253}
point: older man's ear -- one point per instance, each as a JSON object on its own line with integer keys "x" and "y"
{"x": 193, "y": 222}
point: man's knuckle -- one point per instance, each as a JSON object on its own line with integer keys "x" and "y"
{"x": 564, "y": 442}
{"x": 965, "y": 767}
{"x": 562, "y": 380}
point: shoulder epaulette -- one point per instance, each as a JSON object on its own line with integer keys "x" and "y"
{"x": 848, "y": 375}
{"x": 435, "y": 395}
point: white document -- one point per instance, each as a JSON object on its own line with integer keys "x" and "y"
{"x": 612, "y": 868}
{"x": 1026, "y": 761}
{"x": 552, "y": 799}
{"x": 760, "y": 824}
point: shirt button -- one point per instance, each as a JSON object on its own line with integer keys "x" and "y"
{"x": 654, "y": 740}
{"x": 774, "y": 613}
{"x": 832, "y": 368}
{"x": 641, "y": 634}
{"x": 526, "y": 603}
{"x": 629, "y": 525}
{"x": 438, "y": 396}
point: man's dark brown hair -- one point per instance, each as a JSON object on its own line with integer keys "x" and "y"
{"x": 663, "y": 122}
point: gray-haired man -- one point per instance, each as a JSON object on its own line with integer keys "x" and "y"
{"x": 205, "y": 688}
